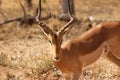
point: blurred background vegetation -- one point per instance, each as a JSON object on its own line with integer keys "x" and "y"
{"x": 25, "y": 53}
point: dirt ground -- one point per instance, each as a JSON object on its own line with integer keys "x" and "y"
{"x": 25, "y": 53}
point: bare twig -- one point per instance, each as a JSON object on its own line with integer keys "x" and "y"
{"x": 26, "y": 18}
{"x": 24, "y": 12}
{"x": 3, "y": 15}
{"x": 21, "y": 18}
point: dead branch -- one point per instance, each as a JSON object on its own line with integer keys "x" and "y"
{"x": 25, "y": 19}
{"x": 24, "y": 12}
{"x": 3, "y": 15}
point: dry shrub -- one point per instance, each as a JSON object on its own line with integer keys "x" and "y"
{"x": 25, "y": 53}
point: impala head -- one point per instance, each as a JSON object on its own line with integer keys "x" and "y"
{"x": 55, "y": 41}
{"x": 55, "y": 38}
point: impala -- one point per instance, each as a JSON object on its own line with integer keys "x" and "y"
{"x": 76, "y": 54}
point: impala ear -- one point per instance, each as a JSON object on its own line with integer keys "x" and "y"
{"x": 67, "y": 30}
{"x": 67, "y": 27}
{"x": 46, "y": 31}
{"x": 47, "y": 37}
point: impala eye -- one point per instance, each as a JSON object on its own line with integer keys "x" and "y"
{"x": 50, "y": 42}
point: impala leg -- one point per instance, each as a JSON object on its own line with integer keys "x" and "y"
{"x": 67, "y": 76}
{"x": 76, "y": 76}
{"x": 112, "y": 58}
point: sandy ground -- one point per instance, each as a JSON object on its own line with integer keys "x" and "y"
{"x": 24, "y": 53}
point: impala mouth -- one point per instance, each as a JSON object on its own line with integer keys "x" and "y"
{"x": 56, "y": 59}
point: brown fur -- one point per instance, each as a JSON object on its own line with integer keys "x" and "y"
{"x": 76, "y": 54}
{"x": 84, "y": 50}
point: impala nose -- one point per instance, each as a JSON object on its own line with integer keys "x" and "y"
{"x": 57, "y": 58}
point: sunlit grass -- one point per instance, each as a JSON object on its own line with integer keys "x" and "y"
{"x": 24, "y": 52}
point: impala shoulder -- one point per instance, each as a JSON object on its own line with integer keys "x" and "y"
{"x": 69, "y": 43}
{"x": 111, "y": 24}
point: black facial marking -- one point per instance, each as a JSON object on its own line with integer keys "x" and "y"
{"x": 61, "y": 41}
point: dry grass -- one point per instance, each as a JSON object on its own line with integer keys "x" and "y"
{"x": 24, "y": 53}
